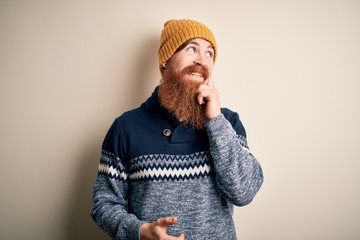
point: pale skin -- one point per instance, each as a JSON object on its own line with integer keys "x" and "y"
{"x": 201, "y": 52}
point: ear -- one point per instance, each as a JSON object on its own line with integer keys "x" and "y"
{"x": 162, "y": 71}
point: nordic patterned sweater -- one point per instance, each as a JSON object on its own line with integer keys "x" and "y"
{"x": 146, "y": 173}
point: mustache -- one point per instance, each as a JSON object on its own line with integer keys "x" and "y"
{"x": 197, "y": 69}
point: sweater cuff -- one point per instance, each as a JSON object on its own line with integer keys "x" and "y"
{"x": 134, "y": 229}
{"x": 218, "y": 126}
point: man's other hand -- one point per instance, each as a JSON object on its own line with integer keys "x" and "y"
{"x": 157, "y": 230}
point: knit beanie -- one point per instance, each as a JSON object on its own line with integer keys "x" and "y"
{"x": 176, "y": 32}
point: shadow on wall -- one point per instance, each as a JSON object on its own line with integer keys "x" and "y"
{"x": 79, "y": 223}
{"x": 144, "y": 68}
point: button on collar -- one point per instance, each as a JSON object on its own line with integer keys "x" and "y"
{"x": 166, "y": 132}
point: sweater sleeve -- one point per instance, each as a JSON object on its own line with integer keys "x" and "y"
{"x": 109, "y": 209}
{"x": 238, "y": 174}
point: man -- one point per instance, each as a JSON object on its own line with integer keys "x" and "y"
{"x": 175, "y": 167}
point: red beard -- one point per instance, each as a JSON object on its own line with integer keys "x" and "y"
{"x": 179, "y": 95}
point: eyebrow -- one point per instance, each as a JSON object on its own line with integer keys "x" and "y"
{"x": 191, "y": 41}
{"x": 197, "y": 44}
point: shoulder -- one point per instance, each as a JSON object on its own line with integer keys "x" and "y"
{"x": 234, "y": 119}
{"x": 228, "y": 113}
{"x": 129, "y": 116}
{"x": 115, "y": 139}
{"x": 122, "y": 122}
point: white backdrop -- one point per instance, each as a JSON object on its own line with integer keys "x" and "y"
{"x": 289, "y": 68}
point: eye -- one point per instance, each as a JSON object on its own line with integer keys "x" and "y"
{"x": 191, "y": 49}
{"x": 210, "y": 54}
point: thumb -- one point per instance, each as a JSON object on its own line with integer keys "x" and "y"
{"x": 181, "y": 236}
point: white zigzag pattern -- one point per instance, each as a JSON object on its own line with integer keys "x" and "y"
{"x": 103, "y": 168}
{"x": 170, "y": 172}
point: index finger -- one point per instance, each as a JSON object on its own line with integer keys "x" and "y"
{"x": 210, "y": 82}
{"x": 166, "y": 221}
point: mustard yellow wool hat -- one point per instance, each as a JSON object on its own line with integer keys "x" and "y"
{"x": 176, "y": 32}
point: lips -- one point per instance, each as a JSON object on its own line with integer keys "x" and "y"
{"x": 196, "y": 72}
{"x": 196, "y": 75}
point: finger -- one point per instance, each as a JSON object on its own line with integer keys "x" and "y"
{"x": 201, "y": 98}
{"x": 204, "y": 86}
{"x": 210, "y": 82}
{"x": 166, "y": 221}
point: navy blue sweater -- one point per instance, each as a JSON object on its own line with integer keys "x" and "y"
{"x": 152, "y": 166}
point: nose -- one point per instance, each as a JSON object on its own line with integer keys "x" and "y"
{"x": 200, "y": 60}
